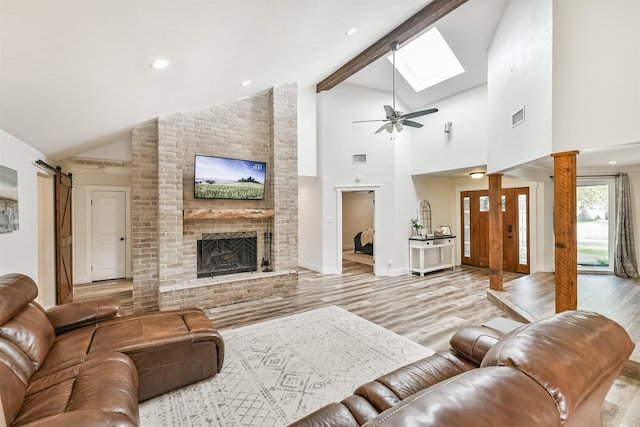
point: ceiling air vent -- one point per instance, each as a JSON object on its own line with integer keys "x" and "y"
{"x": 359, "y": 159}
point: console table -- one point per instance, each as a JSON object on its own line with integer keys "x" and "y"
{"x": 433, "y": 243}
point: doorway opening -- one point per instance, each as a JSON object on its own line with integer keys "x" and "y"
{"x": 357, "y": 215}
{"x": 357, "y": 227}
{"x": 595, "y": 230}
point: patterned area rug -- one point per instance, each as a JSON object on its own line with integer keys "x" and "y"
{"x": 278, "y": 371}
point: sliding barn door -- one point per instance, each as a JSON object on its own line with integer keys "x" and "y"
{"x": 64, "y": 247}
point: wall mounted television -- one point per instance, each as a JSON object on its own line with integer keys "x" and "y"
{"x": 224, "y": 178}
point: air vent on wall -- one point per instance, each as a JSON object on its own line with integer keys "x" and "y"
{"x": 517, "y": 117}
{"x": 98, "y": 162}
{"x": 359, "y": 159}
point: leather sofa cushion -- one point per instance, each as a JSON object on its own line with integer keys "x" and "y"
{"x": 11, "y": 391}
{"x": 552, "y": 352}
{"x": 489, "y": 397}
{"x": 30, "y": 331}
{"x": 331, "y": 415}
{"x": 417, "y": 376}
{"x": 360, "y": 408}
{"x": 16, "y": 359}
{"x": 106, "y": 384}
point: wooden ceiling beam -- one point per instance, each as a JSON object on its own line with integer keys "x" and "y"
{"x": 404, "y": 32}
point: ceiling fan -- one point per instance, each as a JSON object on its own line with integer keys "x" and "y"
{"x": 395, "y": 118}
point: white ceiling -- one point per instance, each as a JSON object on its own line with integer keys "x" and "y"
{"x": 75, "y": 74}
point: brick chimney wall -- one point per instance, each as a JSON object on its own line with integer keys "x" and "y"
{"x": 261, "y": 128}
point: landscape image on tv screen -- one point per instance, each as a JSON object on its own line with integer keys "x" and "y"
{"x": 222, "y": 178}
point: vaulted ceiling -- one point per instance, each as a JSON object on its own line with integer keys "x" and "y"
{"x": 76, "y": 74}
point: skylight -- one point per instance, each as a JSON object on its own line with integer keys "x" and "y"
{"x": 427, "y": 61}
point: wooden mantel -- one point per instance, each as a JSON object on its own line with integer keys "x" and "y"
{"x": 228, "y": 213}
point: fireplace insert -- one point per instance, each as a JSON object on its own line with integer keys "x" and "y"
{"x": 227, "y": 253}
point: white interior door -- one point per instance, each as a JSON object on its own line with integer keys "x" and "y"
{"x": 108, "y": 232}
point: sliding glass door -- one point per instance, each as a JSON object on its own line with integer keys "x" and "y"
{"x": 596, "y": 224}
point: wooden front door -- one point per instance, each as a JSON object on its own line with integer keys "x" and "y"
{"x": 515, "y": 233}
{"x": 64, "y": 247}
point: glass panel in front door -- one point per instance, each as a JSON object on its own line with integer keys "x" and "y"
{"x": 466, "y": 202}
{"x": 522, "y": 229}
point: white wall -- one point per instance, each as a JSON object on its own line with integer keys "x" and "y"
{"x": 466, "y": 144}
{"x": 339, "y": 139}
{"x": 544, "y": 238}
{"x": 520, "y": 75}
{"x": 440, "y": 193}
{"x": 310, "y": 223}
{"x": 19, "y": 249}
{"x": 596, "y": 73}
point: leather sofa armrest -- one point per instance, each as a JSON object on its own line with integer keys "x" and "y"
{"x": 473, "y": 342}
{"x": 203, "y": 330}
{"x": 81, "y": 313}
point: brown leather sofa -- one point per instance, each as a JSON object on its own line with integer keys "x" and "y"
{"x": 555, "y": 372}
{"x": 83, "y": 363}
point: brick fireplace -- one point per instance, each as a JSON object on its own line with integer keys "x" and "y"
{"x": 168, "y": 222}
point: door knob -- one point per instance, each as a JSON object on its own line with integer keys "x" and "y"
{"x": 122, "y": 238}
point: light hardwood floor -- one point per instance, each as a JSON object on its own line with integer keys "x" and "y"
{"x": 615, "y": 297}
{"x": 427, "y": 310}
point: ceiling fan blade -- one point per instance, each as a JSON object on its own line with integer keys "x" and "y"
{"x": 383, "y": 127}
{"x": 412, "y": 124}
{"x": 367, "y": 121}
{"x": 419, "y": 113}
{"x": 391, "y": 113}
{"x": 389, "y": 127}
{"x": 399, "y": 126}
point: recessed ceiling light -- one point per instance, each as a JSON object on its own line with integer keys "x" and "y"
{"x": 351, "y": 31}
{"x": 246, "y": 83}
{"x": 160, "y": 63}
{"x": 613, "y": 162}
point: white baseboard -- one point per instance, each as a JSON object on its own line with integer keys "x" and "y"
{"x": 310, "y": 266}
{"x": 77, "y": 280}
{"x": 393, "y": 272}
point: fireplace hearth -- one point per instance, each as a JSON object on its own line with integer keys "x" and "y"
{"x": 227, "y": 253}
